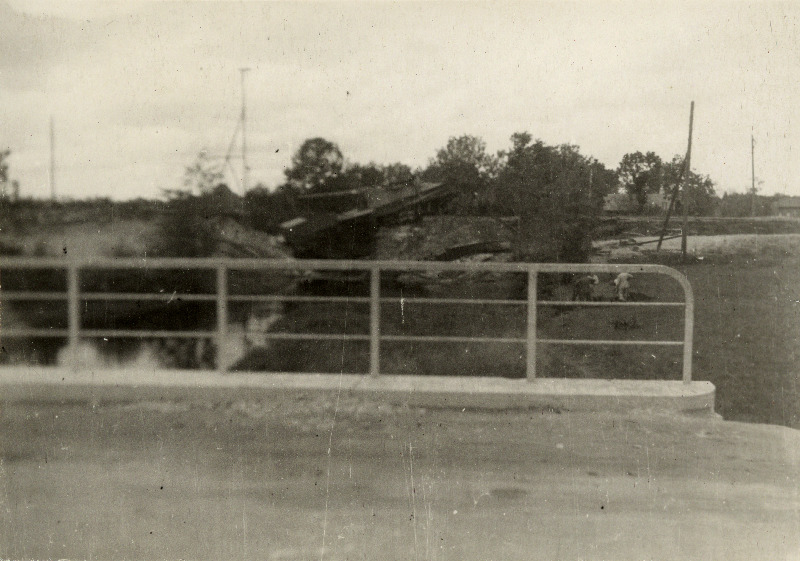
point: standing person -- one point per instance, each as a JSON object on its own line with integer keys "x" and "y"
{"x": 623, "y": 285}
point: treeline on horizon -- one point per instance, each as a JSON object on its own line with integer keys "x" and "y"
{"x": 556, "y": 192}
{"x": 319, "y": 166}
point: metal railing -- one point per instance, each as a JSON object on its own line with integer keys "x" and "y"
{"x": 371, "y": 270}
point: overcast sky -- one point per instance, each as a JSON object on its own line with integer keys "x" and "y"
{"x": 137, "y": 89}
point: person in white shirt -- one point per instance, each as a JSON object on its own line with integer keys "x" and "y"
{"x": 623, "y": 285}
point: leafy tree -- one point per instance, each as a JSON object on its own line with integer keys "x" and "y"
{"x": 13, "y": 193}
{"x": 465, "y": 164}
{"x": 336, "y": 183}
{"x": 190, "y": 226}
{"x": 743, "y": 204}
{"x": 370, "y": 175}
{"x": 267, "y": 210}
{"x": 4, "y": 165}
{"x": 203, "y": 175}
{"x": 602, "y": 180}
{"x": 702, "y": 197}
{"x": 556, "y": 192}
{"x": 357, "y": 176}
{"x": 396, "y": 173}
{"x": 640, "y": 174}
{"x": 187, "y": 226}
{"x": 699, "y": 188}
{"x": 314, "y": 164}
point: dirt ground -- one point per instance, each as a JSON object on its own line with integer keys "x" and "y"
{"x": 753, "y": 245}
{"x": 342, "y": 478}
{"x": 82, "y": 240}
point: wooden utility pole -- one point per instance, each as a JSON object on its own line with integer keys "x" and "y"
{"x": 675, "y": 192}
{"x": 686, "y": 178}
{"x": 52, "y": 160}
{"x": 752, "y": 175}
{"x": 684, "y": 173}
{"x": 245, "y": 168}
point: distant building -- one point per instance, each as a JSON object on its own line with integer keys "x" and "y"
{"x": 787, "y": 206}
{"x": 658, "y": 200}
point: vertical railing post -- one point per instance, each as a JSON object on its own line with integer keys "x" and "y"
{"x": 688, "y": 333}
{"x": 222, "y": 314}
{"x": 73, "y": 311}
{"x": 530, "y": 368}
{"x": 375, "y": 321}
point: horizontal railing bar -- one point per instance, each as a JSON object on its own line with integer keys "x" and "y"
{"x": 142, "y": 334}
{"x": 483, "y": 301}
{"x": 279, "y": 298}
{"x": 7, "y": 295}
{"x": 612, "y": 303}
{"x": 11, "y": 332}
{"x": 34, "y": 263}
{"x": 315, "y": 336}
{"x": 607, "y": 342}
{"x": 113, "y": 296}
{"x": 301, "y": 265}
{"x": 451, "y": 339}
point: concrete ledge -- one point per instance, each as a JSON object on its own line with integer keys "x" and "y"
{"x": 19, "y": 384}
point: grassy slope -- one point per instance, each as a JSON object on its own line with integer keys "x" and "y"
{"x": 746, "y": 341}
{"x": 748, "y": 338}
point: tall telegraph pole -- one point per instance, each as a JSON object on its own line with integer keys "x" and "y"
{"x": 245, "y": 167}
{"x": 752, "y": 175}
{"x": 688, "y": 169}
{"x": 683, "y": 178}
{"x": 52, "y": 160}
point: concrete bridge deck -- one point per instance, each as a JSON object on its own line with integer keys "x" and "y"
{"x": 44, "y": 384}
{"x": 336, "y": 476}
